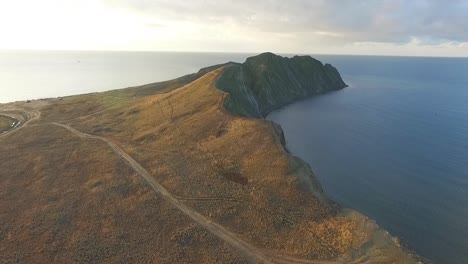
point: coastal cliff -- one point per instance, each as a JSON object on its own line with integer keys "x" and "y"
{"x": 267, "y": 82}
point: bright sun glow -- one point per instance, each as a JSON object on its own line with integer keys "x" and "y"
{"x": 58, "y": 24}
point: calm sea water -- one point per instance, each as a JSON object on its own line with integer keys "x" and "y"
{"x": 42, "y": 74}
{"x": 393, "y": 145}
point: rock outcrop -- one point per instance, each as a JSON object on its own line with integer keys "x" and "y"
{"x": 267, "y": 82}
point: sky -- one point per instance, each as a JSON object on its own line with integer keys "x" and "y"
{"x": 369, "y": 27}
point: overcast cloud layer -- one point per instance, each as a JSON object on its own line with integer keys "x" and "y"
{"x": 432, "y": 21}
{"x": 419, "y": 27}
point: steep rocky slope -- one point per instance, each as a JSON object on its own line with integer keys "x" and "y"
{"x": 268, "y": 81}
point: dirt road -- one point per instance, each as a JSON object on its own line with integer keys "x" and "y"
{"x": 214, "y": 228}
{"x": 221, "y": 232}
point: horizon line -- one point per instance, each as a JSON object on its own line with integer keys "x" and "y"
{"x": 229, "y": 52}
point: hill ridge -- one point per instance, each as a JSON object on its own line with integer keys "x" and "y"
{"x": 267, "y": 82}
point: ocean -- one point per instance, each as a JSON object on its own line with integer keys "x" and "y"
{"x": 43, "y": 74}
{"x": 393, "y": 145}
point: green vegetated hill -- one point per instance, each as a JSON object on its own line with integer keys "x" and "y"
{"x": 267, "y": 81}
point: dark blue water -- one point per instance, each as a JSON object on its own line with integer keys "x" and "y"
{"x": 393, "y": 145}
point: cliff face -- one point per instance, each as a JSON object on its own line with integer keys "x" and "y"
{"x": 266, "y": 82}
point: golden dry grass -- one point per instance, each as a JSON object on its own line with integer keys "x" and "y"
{"x": 64, "y": 199}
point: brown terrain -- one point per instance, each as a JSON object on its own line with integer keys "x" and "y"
{"x": 164, "y": 174}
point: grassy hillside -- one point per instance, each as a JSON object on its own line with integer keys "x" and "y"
{"x": 67, "y": 198}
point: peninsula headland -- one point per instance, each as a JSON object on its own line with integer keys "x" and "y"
{"x": 181, "y": 171}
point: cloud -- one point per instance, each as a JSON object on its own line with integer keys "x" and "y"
{"x": 293, "y": 26}
{"x": 338, "y": 21}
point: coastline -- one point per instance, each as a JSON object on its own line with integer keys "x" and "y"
{"x": 383, "y": 240}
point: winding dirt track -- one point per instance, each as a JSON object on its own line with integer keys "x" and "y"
{"x": 221, "y": 232}
{"x": 214, "y": 228}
